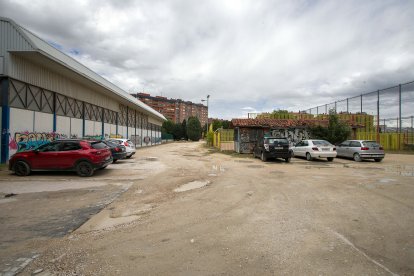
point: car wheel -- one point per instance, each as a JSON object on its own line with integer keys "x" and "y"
{"x": 84, "y": 169}
{"x": 330, "y": 159}
{"x": 357, "y": 157}
{"x": 308, "y": 156}
{"x": 21, "y": 168}
{"x": 287, "y": 159}
{"x": 113, "y": 161}
{"x": 128, "y": 157}
{"x": 378, "y": 160}
{"x": 264, "y": 158}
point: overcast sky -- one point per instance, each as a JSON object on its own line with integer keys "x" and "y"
{"x": 249, "y": 56}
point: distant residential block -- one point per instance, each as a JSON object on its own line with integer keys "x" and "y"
{"x": 175, "y": 110}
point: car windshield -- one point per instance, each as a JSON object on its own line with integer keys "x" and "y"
{"x": 371, "y": 144}
{"x": 321, "y": 143}
{"x": 98, "y": 145}
{"x": 277, "y": 141}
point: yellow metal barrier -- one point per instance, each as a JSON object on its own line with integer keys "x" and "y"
{"x": 389, "y": 141}
{"x": 224, "y": 139}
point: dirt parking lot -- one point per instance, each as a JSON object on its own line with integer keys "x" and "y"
{"x": 180, "y": 209}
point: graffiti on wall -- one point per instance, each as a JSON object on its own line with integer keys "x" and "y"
{"x": 248, "y": 138}
{"x": 30, "y": 140}
{"x": 135, "y": 139}
{"x": 294, "y": 135}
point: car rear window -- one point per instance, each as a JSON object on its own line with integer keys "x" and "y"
{"x": 277, "y": 141}
{"x": 111, "y": 144}
{"x": 98, "y": 145}
{"x": 321, "y": 143}
{"x": 370, "y": 144}
{"x": 116, "y": 141}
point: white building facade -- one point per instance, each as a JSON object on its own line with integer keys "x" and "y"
{"x": 47, "y": 95}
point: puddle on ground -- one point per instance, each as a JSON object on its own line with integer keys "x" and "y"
{"x": 317, "y": 167}
{"x": 255, "y": 166}
{"x": 243, "y": 161}
{"x": 192, "y": 185}
{"x": 151, "y": 158}
{"x": 403, "y": 170}
{"x": 276, "y": 172}
{"x": 218, "y": 168}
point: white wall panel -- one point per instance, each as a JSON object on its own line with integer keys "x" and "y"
{"x": 76, "y": 127}
{"x": 21, "y": 120}
{"x": 43, "y": 122}
{"x": 93, "y": 128}
{"x": 63, "y": 125}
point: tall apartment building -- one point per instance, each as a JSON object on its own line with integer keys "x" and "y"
{"x": 175, "y": 110}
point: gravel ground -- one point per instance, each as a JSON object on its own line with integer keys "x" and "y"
{"x": 189, "y": 211}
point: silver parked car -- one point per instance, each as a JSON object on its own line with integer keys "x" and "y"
{"x": 314, "y": 149}
{"x": 361, "y": 149}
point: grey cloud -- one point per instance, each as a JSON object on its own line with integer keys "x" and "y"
{"x": 262, "y": 54}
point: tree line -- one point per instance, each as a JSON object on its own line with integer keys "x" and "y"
{"x": 187, "y": 130}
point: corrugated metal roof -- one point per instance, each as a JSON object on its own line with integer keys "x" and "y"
{"x": 41, "y": 46}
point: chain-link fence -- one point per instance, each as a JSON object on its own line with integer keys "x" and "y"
{"x": 388, "y": 110}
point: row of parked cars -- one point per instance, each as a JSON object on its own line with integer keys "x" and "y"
{"x": 81, "y": 155}
{"x": 358, "y": 150}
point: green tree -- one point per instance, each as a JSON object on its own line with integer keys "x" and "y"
{"x": 193, "y": 129}
{"x": 216, "y": 124}
{"x": 178, "y": 131}
{"x": 226, "y": 124}
{"x": 336, "y": 132}
{"x": 167, "y": 127}
{"x": 184, "y": 129}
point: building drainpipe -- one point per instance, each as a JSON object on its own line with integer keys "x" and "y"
{"x": 5, "y": 120}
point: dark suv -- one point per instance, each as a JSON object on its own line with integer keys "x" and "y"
{"x": 82, "y": 156}
{"x": 272, "y": 147}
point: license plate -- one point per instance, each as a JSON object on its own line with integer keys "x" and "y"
{"x": 325, "y": 149}
{"x": 278, "y": 147}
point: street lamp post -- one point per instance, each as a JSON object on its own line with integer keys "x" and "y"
{"x": 208, "y": 96}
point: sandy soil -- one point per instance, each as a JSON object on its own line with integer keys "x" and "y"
{"x": 192, "y": 212}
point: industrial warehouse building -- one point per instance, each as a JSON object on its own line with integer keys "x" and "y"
{"x": 47, "y": 95}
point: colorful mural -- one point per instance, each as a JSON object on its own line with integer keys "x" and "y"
{"x": 30, "y": 140}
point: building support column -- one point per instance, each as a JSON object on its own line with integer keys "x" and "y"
{"x": 116, "y": 124}
{"x": 103, "y": 124}
{"x": 54, "y": 113}
{"x": 83, "y": 119}
{"x": 127, "y": 122}
{"x": 5, "y": 120}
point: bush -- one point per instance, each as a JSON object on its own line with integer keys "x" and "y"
{"x": 336, "y": 131}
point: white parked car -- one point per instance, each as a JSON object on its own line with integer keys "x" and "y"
{"x": 315, "y": 149}
{"x": 129, "y": 146}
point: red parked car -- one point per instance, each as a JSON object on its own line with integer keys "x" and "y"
{"x": 82, "y": 156}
